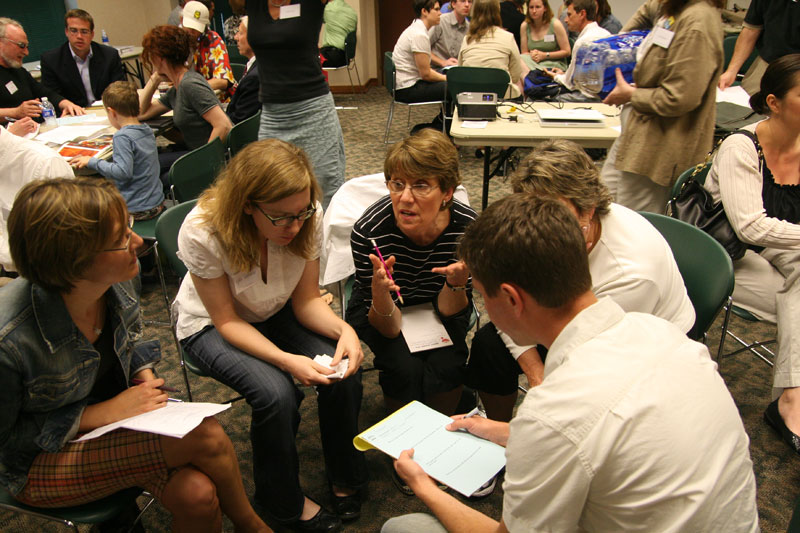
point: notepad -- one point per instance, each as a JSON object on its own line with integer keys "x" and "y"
{"x": 459, "y": 460}
{"x": 422, "y": 328}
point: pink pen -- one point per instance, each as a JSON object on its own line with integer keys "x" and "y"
{"x": 386, "y": 268}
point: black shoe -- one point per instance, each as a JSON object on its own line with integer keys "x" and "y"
{"x": 322, "y": 522}
{"x": 774, "y": 419}
{"x": 399, "y": 483}
{"x": 347, "y": 507}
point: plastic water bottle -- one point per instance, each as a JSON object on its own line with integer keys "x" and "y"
{"x": 48, "y": 112}
{"x": 104, "y": 37}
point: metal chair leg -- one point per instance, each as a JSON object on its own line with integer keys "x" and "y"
{"x": 388, "y": 122}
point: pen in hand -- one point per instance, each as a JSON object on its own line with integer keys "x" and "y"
{"x": 165, "y": 388}
{"x": 386, "y": 268}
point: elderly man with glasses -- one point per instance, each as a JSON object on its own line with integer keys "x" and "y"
{"x": 20, "y": 94}
{"x": 81, "y": 69}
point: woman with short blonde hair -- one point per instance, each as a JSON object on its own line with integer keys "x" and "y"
{"x": 250, "y": 314}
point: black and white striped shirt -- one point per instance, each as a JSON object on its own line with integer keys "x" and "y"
{"x": 412, "y": 269}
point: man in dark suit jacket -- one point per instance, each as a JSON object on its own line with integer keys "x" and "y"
{"x": 244, "y": 102}
{"x": 80, "y": 69}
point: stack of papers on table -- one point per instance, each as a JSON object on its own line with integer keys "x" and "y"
{"x": 62, "y": 134}
{"x": 176, "y": 419}
{"x": 458, "y": 459}
{"x": 571, "y": 118}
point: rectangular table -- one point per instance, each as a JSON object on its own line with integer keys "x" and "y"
{"x": 528, "y": 132}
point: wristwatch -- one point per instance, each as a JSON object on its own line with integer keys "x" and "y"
{"x": 548, "y": 55}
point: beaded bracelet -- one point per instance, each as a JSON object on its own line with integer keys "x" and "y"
{"x": 381, "y": 314}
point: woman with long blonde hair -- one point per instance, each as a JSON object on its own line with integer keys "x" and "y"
{"x": 488, "y": 45}
{"x": 250, "y": 314}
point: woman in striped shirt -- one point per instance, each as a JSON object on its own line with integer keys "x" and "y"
{"x": 416, "y": 227}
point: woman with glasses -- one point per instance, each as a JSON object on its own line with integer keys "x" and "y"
{"x": 250, "y": 314}
{"x": 416, "y": 228}
{"x": 73, "y": 358}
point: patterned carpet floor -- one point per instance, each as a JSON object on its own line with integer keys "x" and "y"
{"x": 776, "y": 467}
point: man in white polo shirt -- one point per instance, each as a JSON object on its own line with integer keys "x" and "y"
{"x": 416, "y": 81}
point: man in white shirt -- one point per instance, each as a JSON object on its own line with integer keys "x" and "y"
{"x": 447, "y": 36}
{"x": 581, "y": 16}
{"x": 23, "y": 161}
{"x": 415, "y": 80}
{"x": 632, "y": 428}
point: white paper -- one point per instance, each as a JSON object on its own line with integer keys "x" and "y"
{"x": 458, "y": 459}
{"x": 735, "y": 95}
{"x": 422, "y": 329}
{"x": 67, "y": 120}
{"x": 475, "y": 124}
{"x": 339, "y": 370}
{"x": 176, "y": 419}
{"x": 63, "y": 134}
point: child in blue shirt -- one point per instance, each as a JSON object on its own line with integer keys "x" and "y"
{"x": 134, "y": 168}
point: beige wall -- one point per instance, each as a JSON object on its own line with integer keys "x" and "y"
{"x": 126, "y": 22}
{"x": 366, "y": 47}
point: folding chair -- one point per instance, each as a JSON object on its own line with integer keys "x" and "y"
{"x": 194, "y": 172}
{"x": 350, "y": 60}
{"x": 390, "y": 81}
{"x": 242, "y": 134}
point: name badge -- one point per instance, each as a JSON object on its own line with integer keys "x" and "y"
{"x": 244, "y": 280}
{"x": 12, "y": 88}
{"x": 290, "y": 12}
{"x": 662, "y": 37}
{"x": 549, "y": 38}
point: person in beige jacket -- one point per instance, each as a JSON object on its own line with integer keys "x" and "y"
{"x": 669, "y": 112}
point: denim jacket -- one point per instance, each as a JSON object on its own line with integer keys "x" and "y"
{"x": 48, "y": 368}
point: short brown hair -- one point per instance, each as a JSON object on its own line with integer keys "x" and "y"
{"x": 559, "y": 168}
{"x": 590, "y": 6}
{"x": 58, "y": 226}
{"x": 264, "y": 171}
{"x": 426, "y": 154}
{"x": 170, "y": 43}
{"x": 427, "y": 5}
{"x": 122, "y": 97}
{"x": 79, "y": 14}
{"x": 534, "y": 243}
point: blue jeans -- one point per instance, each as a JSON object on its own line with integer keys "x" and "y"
{"x": 275, "y": 401}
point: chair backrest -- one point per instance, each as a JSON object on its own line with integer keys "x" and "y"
{"x": 476, "y": 79}
{"x": 350, "y": 47}
{"x": 704, "y": 264}
{"x": 167, "y": 228}
{"x": 700, "y": 177}
{"x": 238, "y": 70}
{"x": 243, "y": 134}
{"x": 194, "y": 172}
{"x": 389, "y": 73}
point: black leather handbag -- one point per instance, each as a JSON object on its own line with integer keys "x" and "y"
{"x": 694, "y": 204}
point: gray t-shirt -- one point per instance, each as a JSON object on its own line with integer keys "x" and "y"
{"x": 189, "y": 102}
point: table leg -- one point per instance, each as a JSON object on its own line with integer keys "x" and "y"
{"x": 487, "y": 175}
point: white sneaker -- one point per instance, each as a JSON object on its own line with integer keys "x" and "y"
{"x": 484, "y": 490}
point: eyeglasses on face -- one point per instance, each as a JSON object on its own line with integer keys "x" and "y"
{"x": 286, "y": 220}
{"x": 20, "y": 44}
{"x": 76, "y": 31}
{"x": 127, "y": 246}
{"x": 420, "y": 189}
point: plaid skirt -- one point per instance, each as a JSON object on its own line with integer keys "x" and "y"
{"x": 83, "y": 472}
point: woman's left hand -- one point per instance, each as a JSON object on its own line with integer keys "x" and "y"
{"x": 622, "y": 93}
{"x": 457, "y": 274}
{"x": 350, "y": 346}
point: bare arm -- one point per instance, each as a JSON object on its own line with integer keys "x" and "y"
{"x": 423, "y": 62}
{"x": 148, "y": 109}
{"x": 217, "y": 298}
{"x": 28, "y": 108}
{"x": 451, "y": 301}
{"x": 745, "y": 44}
{"x": 523, "y": 38}
{"x": 219, "y": 121}
{"x": 218, "y": 84}
{"x": 383, "y": 314}
{"x": 563, "y": 41}
{"x": 312, "y": 312}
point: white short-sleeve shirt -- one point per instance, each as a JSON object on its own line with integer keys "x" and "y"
{"x": 254, "y": 300}
{"x": 414, "y": 39}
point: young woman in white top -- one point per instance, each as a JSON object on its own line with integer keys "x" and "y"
{"x": 250, "y": 314}
{"x": 759, "y": 186}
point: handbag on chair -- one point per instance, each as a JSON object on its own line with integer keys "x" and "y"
{"x": 694, "y": 204}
